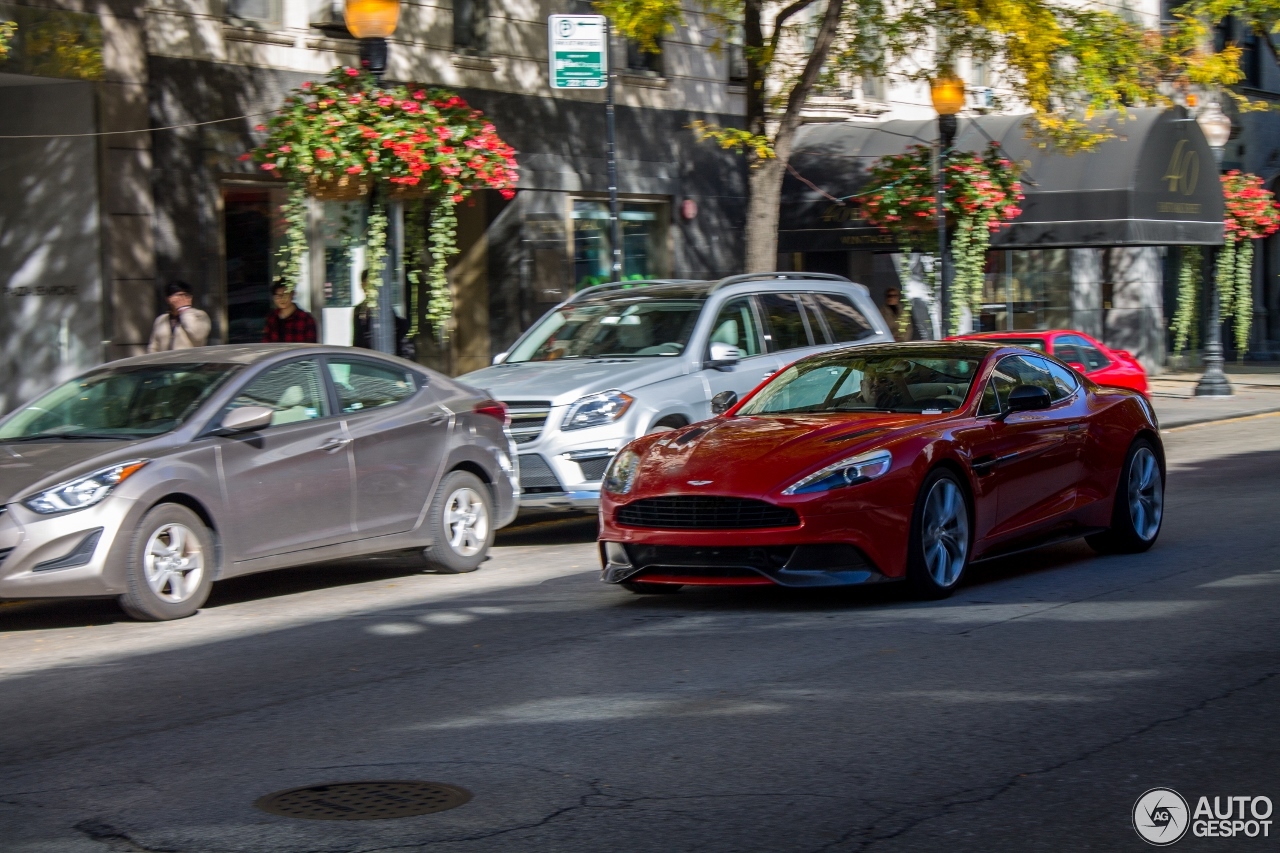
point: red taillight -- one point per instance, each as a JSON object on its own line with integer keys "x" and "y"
{"x": 494, "y": 409}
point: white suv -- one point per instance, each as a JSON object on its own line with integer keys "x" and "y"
{"x": 619, "y": 360}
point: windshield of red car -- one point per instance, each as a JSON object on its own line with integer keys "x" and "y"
{"x": 915, "y": 381}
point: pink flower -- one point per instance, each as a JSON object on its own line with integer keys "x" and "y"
{"x": 267, "y": 167}
{"x": 285, "y": 149}
{"x": 352, "y": 72}
{"x": 384, "y": 101}
{"x": 508, "y": 193}
{"x": 306, "y": 84}
{"x": 245, "y": 156}
{"x": 355, "y": 170}
{"x": 260, "y": 128}
{"x": 419, "y": 95}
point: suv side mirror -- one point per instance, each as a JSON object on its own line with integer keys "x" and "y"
{"x": 723, "y": 402}
{"x": 500, "y": 358}
{"x": 245, "y": 419}
{"x": 723, "y": 355}
{"x": 1026, "y": 398}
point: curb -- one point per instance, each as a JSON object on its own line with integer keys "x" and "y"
{"x": 1237, "y": 417}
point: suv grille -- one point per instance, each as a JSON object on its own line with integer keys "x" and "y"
{"x": 536, "y": 476}
{"x": 705, "y": 512}
{"x": 528, "y": 417}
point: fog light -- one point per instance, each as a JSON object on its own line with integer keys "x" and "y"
{"x": 616, "y": 554}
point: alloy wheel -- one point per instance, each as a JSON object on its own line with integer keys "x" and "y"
{"x": 467, "y": 521}
{"x": 173, "y": 562}
{"x": 945, "y": 532}
{"x": 1146, "y": 495}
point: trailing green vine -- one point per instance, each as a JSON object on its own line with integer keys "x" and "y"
{"x": 375, "y": 257}
{"x": 293, "y": 247}
{"x": 1184, "y": 319}
{"x": 1250, "y": 213}
{"x": 443, "y": 245}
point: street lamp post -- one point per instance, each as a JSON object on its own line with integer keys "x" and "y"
{"x": 947, "y": 92}
{"x": 372, "y": 22}
{"x": 1217, "y": 130}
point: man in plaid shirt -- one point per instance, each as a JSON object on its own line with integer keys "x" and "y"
{"x": 288, "y": 324}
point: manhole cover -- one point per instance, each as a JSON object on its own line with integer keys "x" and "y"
{"x": 364, "y": 800}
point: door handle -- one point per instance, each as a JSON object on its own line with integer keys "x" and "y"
{"x": 1074, "y": 427}
{"x": 333, "y": 445}
{"x": 436, "y": 420}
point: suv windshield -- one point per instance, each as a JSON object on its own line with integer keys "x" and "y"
{"x": 624, "y": 326}
{"x": 914, "y": 381}
{"x": 127, "y": 402}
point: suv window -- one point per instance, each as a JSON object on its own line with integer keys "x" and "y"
{"x": 294, "y": 392}
{"x": 784, "y": 321}
{"x": 736, "y": 325}
{"x": 845, "y": 322}
{"x": 364, "y": 385}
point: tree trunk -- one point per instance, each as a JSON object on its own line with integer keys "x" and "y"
{"x": 765, "y": 192}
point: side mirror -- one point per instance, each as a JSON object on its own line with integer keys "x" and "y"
{"x": 500, "y": 358}
{"x": 723, "y": 402}
{"x": 1078, "y": 367}
{"x": 245, "y": 419}
{"x": 1026, "y": 398}
{"x": 723, "y": 355}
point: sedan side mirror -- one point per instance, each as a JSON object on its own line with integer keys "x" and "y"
{"x": 1026, "y": 398}
{"x": 723, "y": 355}
{"x": 245, "y": 419}
{"x": 1078, "y": 367}
{"x": 723, "y": 402}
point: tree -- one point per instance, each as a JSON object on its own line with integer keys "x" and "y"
{"x": 1061, "y": 63}
{"x": 7, "y": 29}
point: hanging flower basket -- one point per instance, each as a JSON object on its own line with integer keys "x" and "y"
{"x": 982, "y": 196}
{"x": 350, "y": 137}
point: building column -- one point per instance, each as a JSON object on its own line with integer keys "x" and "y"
{"x": 1135, "y": 321}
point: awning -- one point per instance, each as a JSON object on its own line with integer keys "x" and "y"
{"x": 1153, "y": 184}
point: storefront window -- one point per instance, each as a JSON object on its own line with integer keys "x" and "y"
{"x": 251, "y": 234}
{"x": 644, "y": 239}
{"x": 1026, "y": 289}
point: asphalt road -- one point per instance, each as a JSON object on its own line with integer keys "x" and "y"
{"x": 1027, "y": 713}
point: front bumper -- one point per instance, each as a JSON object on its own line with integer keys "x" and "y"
{"x": 797, "y": 566}
{"x": 68, "y": 554}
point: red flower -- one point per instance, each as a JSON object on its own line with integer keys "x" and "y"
{"x": 352, "y": 72}
{"x": 355, "y": 170}
{"x": 323, "y": 154}
{"x": 245, "y": 156}
{"x": 384, "y": 101}
{"x": 285, "y": 149}
{"x": 260, "y": 128}
{"x": 419, "y": 95}
{"x": 508, "y": 194}
{"x": 268, "y": 166}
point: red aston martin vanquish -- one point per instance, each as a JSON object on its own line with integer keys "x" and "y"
{"x": 884, "y": 462}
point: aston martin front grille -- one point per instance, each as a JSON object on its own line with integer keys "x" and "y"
{"x": 705, "y": 512}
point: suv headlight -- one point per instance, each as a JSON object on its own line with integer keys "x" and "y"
{"x": 83, "y": 491}
{"x": 597, "y": 409}
{"x": 621, "y": 475}
{"x": 846, "y": 472}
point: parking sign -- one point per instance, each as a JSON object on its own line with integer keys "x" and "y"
{"x": 579, "y": 51}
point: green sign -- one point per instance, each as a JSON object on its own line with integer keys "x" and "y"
{"x": 579, "y": 51}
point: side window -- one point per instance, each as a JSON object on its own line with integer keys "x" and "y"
{"x": 1063, "y": 379}
{"x": 364, "y": 385}
{"x": 1030, "y": 370}
{"x": 1085, "y": 353}
{"x": 736, "y": 325}
{"x": 846, "y": 322}
{"x": 294, "y": 391}
{"x": 784, "y": 321}
{"x": 996, "y": 395}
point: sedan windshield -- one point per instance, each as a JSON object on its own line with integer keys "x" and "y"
{"x": 125, "y": 403}
{"x": 919, "y": 380}
{"x": 632, "y": 326}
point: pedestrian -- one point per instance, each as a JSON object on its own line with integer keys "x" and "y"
{"x": 183, "y": 326}
{"x": 891, "y": 310}
{"x": 287, "y": 323}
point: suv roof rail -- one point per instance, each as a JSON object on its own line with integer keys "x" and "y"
{"x": 596, "y": 289}
{"x": 773, "y": 276}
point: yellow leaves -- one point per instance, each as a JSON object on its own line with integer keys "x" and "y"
{"x": 735, "y": 139}
{"x": 7, "y": 29}
{"x": 642, "y": 21}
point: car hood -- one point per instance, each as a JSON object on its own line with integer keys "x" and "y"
{"x": 755, "y": 456}
{"x": 564, "y": 381}
{"x": 26, "y": 465}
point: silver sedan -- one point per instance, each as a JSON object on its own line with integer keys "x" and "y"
{"x": 151, "y": 477}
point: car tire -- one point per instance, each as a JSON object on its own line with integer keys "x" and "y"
{"x": 171, "y": 565}
{"x": 461, "y": 524}
{"x": 642, "y": 588}
{"x": 1138, "y": 511}
{"x": 940, "y": 541}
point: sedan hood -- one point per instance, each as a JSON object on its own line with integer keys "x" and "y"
{"x": 25, "y": 465}
{"x": 565, "y": 380}
{"x": 745, "y": 455}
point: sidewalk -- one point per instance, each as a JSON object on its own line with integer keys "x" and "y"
{"x": 1257, "y": 391}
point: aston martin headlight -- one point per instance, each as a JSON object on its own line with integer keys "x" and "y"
{"x": 83, "y": 491}
{"x": 597, "y": 410}
{"x": 846, "y": 472}
{"x": 621, "y": 475}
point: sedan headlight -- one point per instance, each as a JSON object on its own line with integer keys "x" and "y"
{"x": 83, "y": 491}
{"x": 846, "y": 472}
{"x": 597, "y": 409}
{"x": 621, "y": 475}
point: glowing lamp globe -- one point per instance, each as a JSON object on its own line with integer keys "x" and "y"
{"x": 372, "y": 19}
{"x": 1215, "y": 123}
{"x": 947, "y": 91}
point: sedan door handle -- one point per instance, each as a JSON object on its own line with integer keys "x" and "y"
{"x": 333, "y": 445}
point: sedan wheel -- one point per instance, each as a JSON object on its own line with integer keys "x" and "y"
{"x": 1139, "y": 505}
{"x": 460, "y": 524}
{"x": 170, "y": 569}
{"x": 939, "y": 547}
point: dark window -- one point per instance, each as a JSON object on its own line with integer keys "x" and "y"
{"x": 844, "y": 321}
{"x": 1074, "y": 348}
{"x": 998, "y": 388}
{"x": 294, "y": 391}
{"x": 640, "y": 61}
{"x": 1017, "y": 370}
{"x": 736, "y": 325}
{"x": 261, "y": 12}
{"x": 471, "y": 26}
{"x": 1063, "y": 379}
{"x": 786, "y": 325}
{"x": 364, "y": 385}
